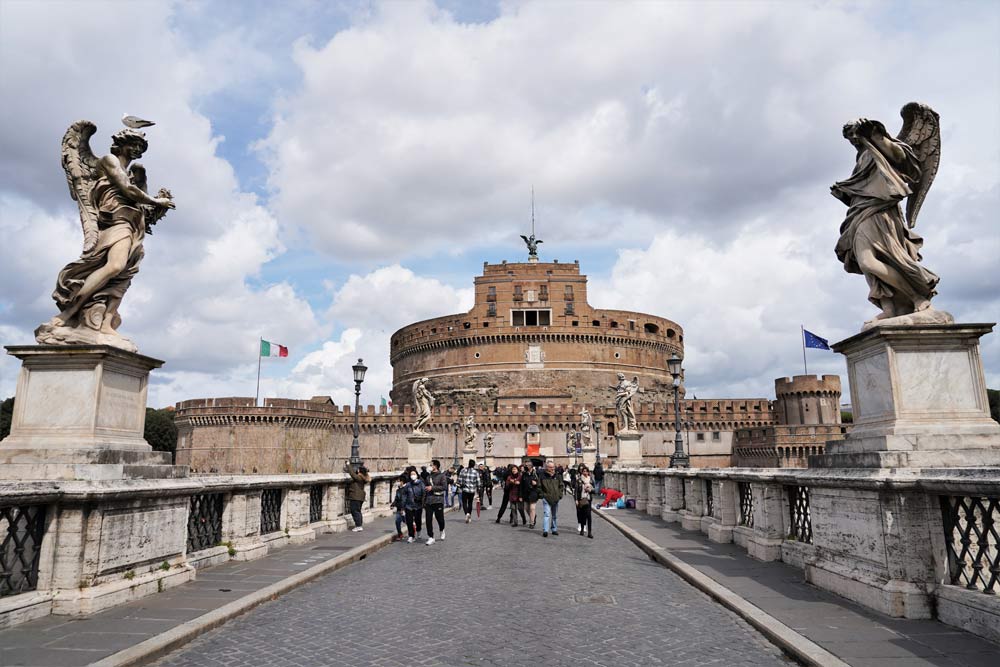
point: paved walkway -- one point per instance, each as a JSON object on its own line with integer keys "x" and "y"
{"x": 856, "y": 635}
{"x": 63, "y": 641}
{"x": 490, "y": 595}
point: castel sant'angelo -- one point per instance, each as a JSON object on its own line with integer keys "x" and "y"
{"x": 524, "y": 362}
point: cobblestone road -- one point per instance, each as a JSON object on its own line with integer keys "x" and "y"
{"x": 490, "y": 595}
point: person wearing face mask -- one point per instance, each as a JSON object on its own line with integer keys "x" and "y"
{"x": 437, "y": 484}
{"x": 583, "y": 492}
{"x": 413, "y": 503}
{"x": 530, "y": 488}
{"x": 399, "y": 506}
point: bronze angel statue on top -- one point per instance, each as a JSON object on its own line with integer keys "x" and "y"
{"x": 876, "y": 238}
{"x": 116, "y": 213}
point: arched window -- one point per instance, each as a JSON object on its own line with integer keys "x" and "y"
{"x": 532, "y": 407}
{"x": 611, "y": 428}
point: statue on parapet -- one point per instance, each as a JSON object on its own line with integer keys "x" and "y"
{"x": 423, "y": 400}
{"x": 586, "y": 421}
{"x": 471, "y": 432}
{"x": 876, "y": 238}
{"x": 116, "y": 214}
{"x": 625, "y": 391}
{"x": 488, "y": 439}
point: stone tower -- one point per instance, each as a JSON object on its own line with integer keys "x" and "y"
{"x": 807, "y": 400}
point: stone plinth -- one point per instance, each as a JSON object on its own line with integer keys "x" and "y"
{"x": 418, "y": 449}
{"x": 589, "y": 456}
{"x": 629, "y": 449}
{"x": 79, "y": 413}
{"x": 919, "y": 398}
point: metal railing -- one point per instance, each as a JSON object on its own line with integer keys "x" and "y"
{"x": 22, "y": 528}
{"x": 270, "y": 511}
{"x": 709, "y": 500}
{"x": 971, "y": 541}
{"x": 746, "y": 504}
{"x": 316, "y": 502}
{"x": 204, "y": 529}
{"x": 800, "y": 527}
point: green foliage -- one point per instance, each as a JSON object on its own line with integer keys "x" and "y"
{"x": 994, "y": 395}
{"x": 161, "y": 433}
{"x": 6, "y": 414}
{"x": 130, "y": 575}
{"x": 846, "y": 417}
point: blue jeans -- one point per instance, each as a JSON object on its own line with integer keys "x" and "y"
{"x": 400, "y": 520}
{"x": 549, "y": 515}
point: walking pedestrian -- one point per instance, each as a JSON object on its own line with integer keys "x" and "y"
{"x": 502, "y": 474}
{"x": 414, "y": 505}
{"x": 469, "y": 483}
{"x": 552, "y": 489}
{"x": 513, "y": 493}
{"x": 437, "y": 483}
{"x": 485, "y": 487}
{"x": 356, "y": 493}
{"x": 529, "y": 490}
{"x": 399, "y": 506}
{"x": 583, "y": 493}
{"x": 598, "y": 478}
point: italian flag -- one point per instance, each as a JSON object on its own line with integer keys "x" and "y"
{"x": 268, "y": 349}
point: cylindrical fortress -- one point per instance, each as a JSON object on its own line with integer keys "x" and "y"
{"x": 807, "y": 399}
{"x": 531, "y": 339}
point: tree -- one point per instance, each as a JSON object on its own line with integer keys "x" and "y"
{"x": 6, "y": 414}
{"x": 160, "y": 432}
{"x": 994, "y": 396}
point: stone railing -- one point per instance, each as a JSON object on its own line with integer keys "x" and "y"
{"x": 79, "y": 547}
{"x": 908, "y": 543}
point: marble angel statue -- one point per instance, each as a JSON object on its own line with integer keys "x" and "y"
{"x": 625, "y": 391}
{"x": 116, "y": 214}
{"x": 423, "y": 400}
{"x": 877, "y": 239}
{"x": 471, "y": 432}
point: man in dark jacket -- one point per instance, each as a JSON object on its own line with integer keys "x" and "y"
{"x": 356, "y": 493}
{"x": 552, "y": 489}
{"x": 598, "y": 479}
{"x": 437, "y": 483}
{"x": 502, "y": 476}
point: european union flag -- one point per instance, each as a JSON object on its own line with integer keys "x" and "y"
{"x": 812, "y": 340}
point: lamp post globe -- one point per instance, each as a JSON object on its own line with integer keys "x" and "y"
{"x": 359, "y": 377}
{"x": 679, "y": 459}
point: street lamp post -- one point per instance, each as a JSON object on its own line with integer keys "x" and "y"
{"x": 679, "y": 459}
{"x": 457, "y": 462}
{"x": 597, "y": 439}
{"x": 359, "y": 377}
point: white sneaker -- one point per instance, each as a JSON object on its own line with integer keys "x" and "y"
{"x": 490, "y": 507}
{"x": 468, "y": 518}
{"x": 442, "y": 536}
{"x": 430, "y": 540}
{"x": 409, "y": 540}
{"x": 357, "y": 529}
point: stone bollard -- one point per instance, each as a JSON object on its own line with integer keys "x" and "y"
{"x": 769, "y": 528}
{"x": 297, "y": 526}
{"x": 694, "y": 503}
{"x": 631, "y": 484}
{"x": 654, "y": 504}
{"x": 726, "y": 511}
{"x": 642, "y": 491}
{"x": 673, "y": 497}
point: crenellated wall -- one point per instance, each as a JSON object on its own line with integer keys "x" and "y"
{"x": 230, "y": 435}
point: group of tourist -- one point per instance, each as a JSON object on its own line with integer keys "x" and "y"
{"x": 420, "y": 496}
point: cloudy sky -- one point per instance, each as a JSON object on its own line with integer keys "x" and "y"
{"x": 341, "y": 170}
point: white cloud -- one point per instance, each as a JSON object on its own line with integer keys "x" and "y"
{"x": 371, "y": 308}
{"x": 190, "y": 303}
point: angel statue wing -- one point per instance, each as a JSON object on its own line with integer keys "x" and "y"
{"x": 921, "y": 132}
{"x": 525, "y": 239}
{"x": 81, "y": 175}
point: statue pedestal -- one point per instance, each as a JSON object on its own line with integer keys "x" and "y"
{"x": 79, "y": 413}
{"x": 919, "y": 399}
{"x": 589, "y": 457}
{"x": 629, "y": 449}
{"x": 471, "y": 453}
{"x": 418, "y": 449}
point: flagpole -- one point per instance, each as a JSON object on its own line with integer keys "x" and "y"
{"x": 256, "y": 398}
{"x": 802, "y": 337}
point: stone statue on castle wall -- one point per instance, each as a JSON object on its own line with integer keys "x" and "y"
{"x": 423, "y": 400}
{"x": 488, "y": 442}
{"x": 876, "y": 238}
{"x": 586, "y": 421}
{"x": 625, "y": 391}
{"x": 471, "y": 432}
{"x": 116, "y": 214}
